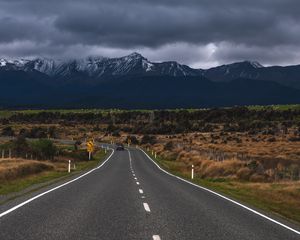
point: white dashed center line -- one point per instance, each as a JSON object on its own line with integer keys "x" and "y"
{"x": 156, "y": 237}
{"x": 146, "y": 206}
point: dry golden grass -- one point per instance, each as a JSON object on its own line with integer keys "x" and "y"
{"x": 214, "y": 157}
{"x": 11, "y": 169}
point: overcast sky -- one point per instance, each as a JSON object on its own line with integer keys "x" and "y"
{"x": 199, "y": 33}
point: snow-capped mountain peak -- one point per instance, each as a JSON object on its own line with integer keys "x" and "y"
{"x": 100, "y": 67}
{"x": 255, "y": 64}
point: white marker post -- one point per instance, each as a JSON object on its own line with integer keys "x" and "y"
{"x": 90, "y": 155}
{"x": 69, "y": 166}
{"x": 192, "y": 171}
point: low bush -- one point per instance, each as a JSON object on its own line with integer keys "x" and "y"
{"x": 244, "y": 173}
{"x": 12, "y": 169}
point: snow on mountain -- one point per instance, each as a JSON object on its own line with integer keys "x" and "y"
{"x": 132, "y": 64}
{"x": 256, "y": 64}
{"x": 16, "y": 63}
{"x": 97, "y": 67}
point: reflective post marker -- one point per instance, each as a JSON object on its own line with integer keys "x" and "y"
{"x": 69, "y": 166}
{"x": 192, "y": 171}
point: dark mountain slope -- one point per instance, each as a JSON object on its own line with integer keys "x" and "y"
{"x": 288, "y": 76}
{"x": 186, "y": 92}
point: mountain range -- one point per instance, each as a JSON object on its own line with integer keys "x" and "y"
{"x": 134, "y": 82}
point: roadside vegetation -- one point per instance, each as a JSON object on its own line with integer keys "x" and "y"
{"x": 280, "y": 198}
{"x": 38, "y": 161}
{"x": 249, "y": 153}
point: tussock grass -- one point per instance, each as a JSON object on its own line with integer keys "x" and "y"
{"x": 16, "y": 168}
{"x": 38, "y": 174}
{"x": 281, "y": 198}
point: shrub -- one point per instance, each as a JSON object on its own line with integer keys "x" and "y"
{"x": 38, "y": 132}
{"x": 294, "y": 139}
{"x": 147, "y": 139}
{"x": 43, "y": 149}
{"x": 116, "y": 133}
{"x": 244, "y": 173}
{"x": 169, "y": 146}
{"x": 257, "y": 178}
{"x": 8, "y": 131}
{"x": 132, "y": 139}
{"x": 20, "y": 146}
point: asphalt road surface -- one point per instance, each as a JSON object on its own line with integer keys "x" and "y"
{"x": 129, "y": 197}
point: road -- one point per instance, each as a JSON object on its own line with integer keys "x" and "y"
{"x": 129, "y": 197}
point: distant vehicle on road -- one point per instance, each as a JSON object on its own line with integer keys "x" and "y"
{"x": 120, "y": 147}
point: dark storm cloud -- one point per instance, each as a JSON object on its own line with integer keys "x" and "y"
{"x": 207, "y": 31}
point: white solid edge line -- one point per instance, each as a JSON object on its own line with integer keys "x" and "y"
{"x": 156, "y": 237}
{"x": 52, "y": 189}
{"x": 226, "y": 198}
{"x": 146, "y": 206}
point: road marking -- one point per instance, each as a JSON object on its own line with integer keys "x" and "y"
{"x": 143, "y": 197}
{"x": 137, "y": 183}
{"x": 141, "y": 191}
{"x": 226, "y": 198}
{"x": 53, "y": 189}
{"x": 146, "y": 206}
{"x": 135, "y": 178}
{"x": 133, "y": 175}
{"x": 156, "y": 237}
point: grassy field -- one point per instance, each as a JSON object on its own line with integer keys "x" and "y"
{"x": 21, "y": 183}
{"x": 281, "y": 199}
{"x": 8, "y": 113}
{"x": 276, "y": 107}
